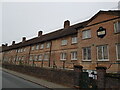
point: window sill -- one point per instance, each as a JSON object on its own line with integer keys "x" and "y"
{"x": 39, "y": 60}
{"x": 64, "y": 45}
{"x": 73, "y": 43}
{"x": 86, "y": 60}
{"x": 41, "y": 48}
{"x": 118, "y": 60}
{"x": 105, "y": 60}
{"x": 116, "y": 32}
{"x": 73, "y": 59}
{"x": 63, "y": 59}
{"x": 85, "y": 38}
{"x": 45, "y": 60}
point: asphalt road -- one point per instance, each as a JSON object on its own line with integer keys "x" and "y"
{"x": 11, "y": 81}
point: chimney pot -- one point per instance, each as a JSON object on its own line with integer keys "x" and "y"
{"x": 66, "y": 24}
{"x": 40, "y": 33}
{"x": 13, "y": 42}
{"x": 3, "y": 44}
{"x": 23, "y": 39}
{"x": 6, "y": 44}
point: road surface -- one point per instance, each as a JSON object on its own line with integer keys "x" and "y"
{"x": 11, "y": 81}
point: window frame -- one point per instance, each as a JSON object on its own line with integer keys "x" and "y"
{"x": 48, "y": 45}
{"x": 46, "y": 54}
{"x": 31, "y": 58}
{"x": 37, "y": 47}
{"x": 74, "y": 38}
{"x": 64, "y": 42}
{"x": 73, "y": 55}
{"x": 118, "y": 59}
{"x": 103, "y": 53}
{"x": 88, "y": 36}
{"x": 33, "y": 48}
{"x": 41, "y": 46}
{"x": 116, "y": 30}
{"x": 63, "y": 56}
{"x": 35, "y": 57}
{"x": 87, "y": 55}
{"x": 41, "y": 57}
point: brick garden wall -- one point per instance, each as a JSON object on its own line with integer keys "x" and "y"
{"x": 64, "y": 77}
{"x": 71, "y": 78}
{"x": 112, "y": 81}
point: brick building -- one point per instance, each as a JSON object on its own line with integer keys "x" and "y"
{"x": 90, "y": 43}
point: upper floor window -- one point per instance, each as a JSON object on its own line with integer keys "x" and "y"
{"x": 33, "y": 48}
{"x": 102, "y": 53}
{"x": 37, "y": 47}
{"x": 17, "y": 50}
{"x": 63, "y": 56}
{"x": 24, "y": 49}
{"x": 87, "y": 54}
{"x": 64, "y": 42}
{"x": 74, "y": 40}
{"x": 86, "y": 34}
{"x": 21, "y": 50}
{"x": 41, "y": 46}
{"x": 117, "y": 27}
{"x": 74, "y": 55}
{"x": 118, "y": 51}
{"x": 48, "y": 45}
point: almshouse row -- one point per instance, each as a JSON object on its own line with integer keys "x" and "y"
{"x": 90, "y": 43}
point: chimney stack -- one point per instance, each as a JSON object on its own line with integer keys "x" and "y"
{"x": 4, "y": 44}
{"x": 40, "y": 33}
{"x": 23, "y": 39}
{"x": 66, "y": 24}
{"x": 13, "y": 42}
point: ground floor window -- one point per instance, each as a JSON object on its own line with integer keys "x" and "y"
{"x": 74, "y": 55}
{"x": 40, "y": 57}
{"x": 31, "y": 57}
{"x": 118, "y": 51}
{"x": 63, "y": 56}
{"x": 46, "y": 56}
{"x": 35, "y": 57}
{"x": 102, "y": 53}
{"x": 86, "y": 54}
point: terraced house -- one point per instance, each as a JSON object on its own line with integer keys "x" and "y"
{"x": 90, "y": 43}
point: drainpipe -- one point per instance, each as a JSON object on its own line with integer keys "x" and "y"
{"x": 42, "y": 63}
{"x": 16, "y": 56}
{"x": 29, "y": 55}
{"x": 50, "y": 53}
{"x": 63, "y": 64}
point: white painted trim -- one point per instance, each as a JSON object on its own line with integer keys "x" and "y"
{"x": 117, "y": 52}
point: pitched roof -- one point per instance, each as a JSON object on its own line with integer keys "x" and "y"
{"x": 47, "y": 37}
{"x": 58, "y": 33}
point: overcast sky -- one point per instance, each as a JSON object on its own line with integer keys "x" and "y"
{"x": 27, "y": 18}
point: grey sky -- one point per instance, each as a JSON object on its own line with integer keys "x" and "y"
{"x": 27, "y": 18}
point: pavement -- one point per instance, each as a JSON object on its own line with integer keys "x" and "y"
{"x": 12, "y": 81}
{"x": 36, "y": 80}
